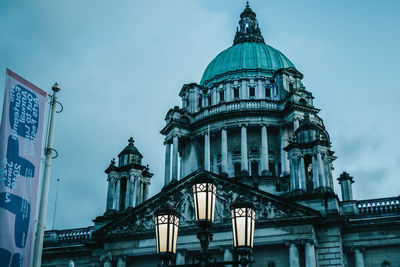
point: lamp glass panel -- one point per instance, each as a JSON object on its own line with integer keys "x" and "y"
{"x": 166, "y": 233}
{"x": 241, "y": 230}
{"x": 243, "y": 222}
{"x": 202, "y": 198}
{"x": 174, "y": 224}
{"x": 234, "y": 228}
{"x": 253, "y": 220}
{"x": 157, "y": 238}
{"x": 163, "y": 237}
{"x": 204, "y": 201}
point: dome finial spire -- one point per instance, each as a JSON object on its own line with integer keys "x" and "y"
{"x": 248, "y": 31}
{"x": 131, "y": 141}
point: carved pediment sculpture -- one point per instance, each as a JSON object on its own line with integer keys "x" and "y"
{"x": 180, "y": 195}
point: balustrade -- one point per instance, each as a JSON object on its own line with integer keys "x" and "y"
{"x": 237, "y": 105}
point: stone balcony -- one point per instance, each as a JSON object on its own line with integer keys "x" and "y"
{"x": 238, "y": 105}
{"x": 379, "y": 207}
{"x": 68, "y": 236}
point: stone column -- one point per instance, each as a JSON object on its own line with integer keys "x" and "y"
{"x": 207, "y": 151}
{"x": 245, "y": 161}
{"x": 180, "y": 257}
{"x": 174, "y": 158}
{"x": 264, "y": 151}
{"x": 295, "y": 124}
{"x": 134, "y": 190}
{"x": 325, "y": 163}
{"x": 284, "y": 158}
{"x": 358, "y": 257}
{"x": 146, "y": 191}
{"x": 181, "y": 168}
{"x": 293, "y": 255}
{"x": 141, "y": 191}
{"x": 167, "y": 174}
{"x": 138, "y": 192}
{"x": 310, "y": 254}
{"x": 128, "y": 192}
{"x": 315, "y": 171}
{"x": 302, "y": 174}
{"x": 296, "y": 167}
{"x": 224, "y": 151}
{"x": 121, "y": 262}
{"x": 321, "y": 172}
{"x": 193, "y": 154}
{"x": 107, "y": 263}
{"x": 71, "y": 263}
{"x": 110, "y": 193}
{"x": 118, "y": 194}
{"x": 292, "y": 174}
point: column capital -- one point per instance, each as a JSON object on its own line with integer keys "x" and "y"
{"x": 309, "y": 241}
{"x": 263, "y": 124}
{"x": 290, "y": 243}
{"x": 357, "y": 248}
{"x": 224, "y": 127}
{"x": 106, "y": 256}
{"x": 243, "y": 125}
{"x": 122, "y": 257}
{"x": 167, "y": 142}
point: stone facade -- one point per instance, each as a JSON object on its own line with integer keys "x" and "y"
{"x": 251, "y": 126}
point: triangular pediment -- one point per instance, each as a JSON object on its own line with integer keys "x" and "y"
{"x": 269, "y": 208}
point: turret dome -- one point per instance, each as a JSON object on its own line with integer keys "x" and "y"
{"x": 249, "y": 54}
{"x": 130, "y": 154}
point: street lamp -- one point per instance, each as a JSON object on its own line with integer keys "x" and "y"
{"x": 204, "y": 192}
{"x": 204, "y": 195}
{"x": 166, "y": 223}
{"x": 243, "y": 222}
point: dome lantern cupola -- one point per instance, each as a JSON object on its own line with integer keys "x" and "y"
{"x": 130, "y": 154}
{"x": 248, "y": 30}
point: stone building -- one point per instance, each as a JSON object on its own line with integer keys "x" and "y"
{"x": 251, "y": 126}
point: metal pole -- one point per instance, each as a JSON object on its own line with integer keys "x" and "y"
{"x": 38, "y": 246}
{"x": 55, "y": 204}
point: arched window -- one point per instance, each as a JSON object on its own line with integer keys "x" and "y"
{"x": 386, "y": 264}
{"x": 235, "y": 92}
{"x": 254, "y": 168}
{"x": 237, "y": 167}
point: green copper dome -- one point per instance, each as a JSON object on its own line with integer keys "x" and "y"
{"x": 249, "y": 54}
{"x": 252, "y": 58}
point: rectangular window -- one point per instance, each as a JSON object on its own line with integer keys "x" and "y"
{"x": 267, "y": 92}
{"x": 252, "y": 91}
{"x": 235, "y": 92}
{"x": 200, "y": 102}
{"x": 221, "y": 96}
{"x": 209, "y": 100}
{"x": 290, "y": 87}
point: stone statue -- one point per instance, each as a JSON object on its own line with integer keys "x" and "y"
{"x": 270, "y": 211}
{"x": 148, "y": 222}
{"x": 187, "y": 207}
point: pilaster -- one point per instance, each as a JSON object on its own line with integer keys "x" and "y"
{"x": 244, "y": 153}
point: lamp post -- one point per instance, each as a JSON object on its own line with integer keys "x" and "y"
{"x": 204, "y": 195}
{"x": 167, "y": 222}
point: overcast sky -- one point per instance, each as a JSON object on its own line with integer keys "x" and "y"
{"x": 122, "y": 64}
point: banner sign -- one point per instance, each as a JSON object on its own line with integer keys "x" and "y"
{"x": 21, "y": 133}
